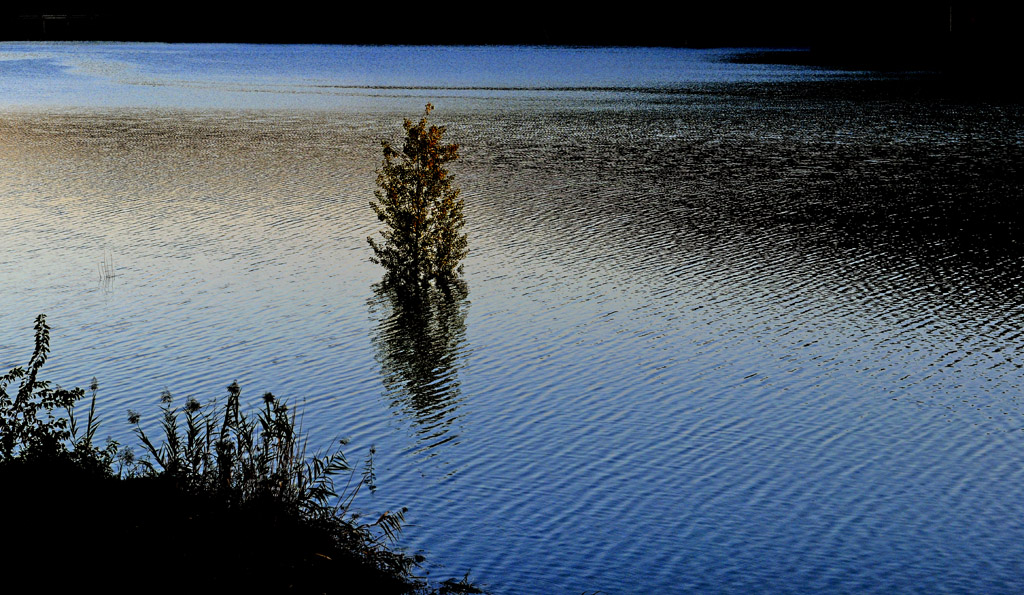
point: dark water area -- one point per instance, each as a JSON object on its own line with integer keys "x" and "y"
{"x": 726, "y": 327}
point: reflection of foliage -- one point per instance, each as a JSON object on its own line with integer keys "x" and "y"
{"x": 420, "y": 205}
{"x": 418, "y": 343}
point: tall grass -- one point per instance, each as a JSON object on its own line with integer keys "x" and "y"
{"x": 246, "y": 459}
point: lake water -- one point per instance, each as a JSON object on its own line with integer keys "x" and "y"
{"x": 729, "y": 327}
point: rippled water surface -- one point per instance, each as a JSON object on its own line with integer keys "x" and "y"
{"x": 727, "y": 328}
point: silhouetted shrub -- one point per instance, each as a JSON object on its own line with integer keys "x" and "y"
{"x": 31, "y": 426}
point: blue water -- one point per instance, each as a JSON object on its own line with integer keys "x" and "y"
{"x": 101, "y": 75}
{"x": 729, "y": 328}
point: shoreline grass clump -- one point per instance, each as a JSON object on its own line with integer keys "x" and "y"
{"x": 226, "y": 502}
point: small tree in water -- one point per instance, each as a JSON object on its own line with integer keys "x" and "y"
{"x": 419, "y": 202}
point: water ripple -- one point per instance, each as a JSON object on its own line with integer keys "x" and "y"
{"x": 731, "y": 342}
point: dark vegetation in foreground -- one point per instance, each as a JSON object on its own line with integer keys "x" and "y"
{"x": 228, "y": 502}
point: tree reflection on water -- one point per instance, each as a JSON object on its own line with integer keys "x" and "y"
{"x": 418, "y": 343}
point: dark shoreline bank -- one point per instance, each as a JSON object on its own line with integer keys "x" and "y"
{"x": 945, "y": 73}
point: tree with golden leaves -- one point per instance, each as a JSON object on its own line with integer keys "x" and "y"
{"x": 419, "y": 203}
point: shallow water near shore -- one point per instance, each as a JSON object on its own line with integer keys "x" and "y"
{"x": 729, "y": 327}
